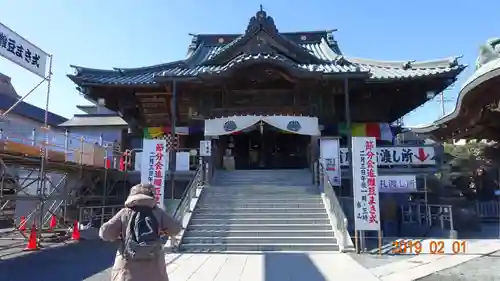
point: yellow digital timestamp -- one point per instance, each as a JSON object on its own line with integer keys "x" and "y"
{"x": 430, "y": 246}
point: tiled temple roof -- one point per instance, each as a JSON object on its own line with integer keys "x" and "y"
{"x": 313, "y": 52}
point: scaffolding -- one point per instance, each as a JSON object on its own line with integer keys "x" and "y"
{"x": 49, "y": 174}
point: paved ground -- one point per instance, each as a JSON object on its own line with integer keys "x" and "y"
{"x": 61, "y": 262}
{"x": 266, "y": 266}
{"x": 91, "y": 261}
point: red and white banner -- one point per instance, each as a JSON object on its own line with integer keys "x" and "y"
{"x": 153, "y": 167}
{"x": 365, "y": 184}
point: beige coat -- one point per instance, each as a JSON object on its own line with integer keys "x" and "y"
{"x": 137, "y": 271}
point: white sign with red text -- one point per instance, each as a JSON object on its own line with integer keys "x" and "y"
{"x": 398, "y": 155}
{"x": 365, "y": 184}
{"x": 330, "y": 159}
{"x": 153, "y": 167}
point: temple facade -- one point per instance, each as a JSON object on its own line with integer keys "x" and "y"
{"x": 265, "y": 97}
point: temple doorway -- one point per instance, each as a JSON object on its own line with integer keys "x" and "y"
{"x": 263, "y": 142}
{"x": 266, "y": 147}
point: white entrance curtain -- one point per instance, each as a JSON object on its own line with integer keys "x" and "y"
{"x": 228, "y": 125}
{"x": 302, "y": 125}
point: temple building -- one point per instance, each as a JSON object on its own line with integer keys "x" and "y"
{"x": 265, "y": 97}
{"x": 477, "y": 111}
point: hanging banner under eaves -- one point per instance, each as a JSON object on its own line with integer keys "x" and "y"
{"x": 21, "y": 52}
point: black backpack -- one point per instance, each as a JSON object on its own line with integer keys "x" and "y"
{"x": 142, "y": 240}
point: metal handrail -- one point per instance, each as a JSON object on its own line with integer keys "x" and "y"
{"x": 188, "y": 194}
{"x": 340, "y": 220}
{"x": 87, "y": 214}
{"x": 184, "y": 206}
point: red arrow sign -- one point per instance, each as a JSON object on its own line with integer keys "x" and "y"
{"x": 421, "y": 155}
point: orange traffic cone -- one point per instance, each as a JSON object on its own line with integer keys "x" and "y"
{"x": 22, "y": 224}
{"x": 32, "y": 242}
{"x": 76, "y": 232}
{"x": 53, "y": 223}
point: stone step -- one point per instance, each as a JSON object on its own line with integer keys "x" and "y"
{"x": 258, "y": 184}
{"x": 261, "y": 205}
{"x": 262, "y": 192}
{"x": 209, "y": 215}
{"x": 208, "y": 226}
{"x": 206, "y": 248}
{"x": 260, "y": 221}
{"x": 237, "y": 210}
{"x": 230, "y": 196}
{"x": 259, "y": 240}
{"x": 220, "y": 200}
{"x": 260, "y": 233}
{"x": 292, "y": 180}
{"x": 253, "y": 194}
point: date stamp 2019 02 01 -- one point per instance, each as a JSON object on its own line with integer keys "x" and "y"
{"x": 430, "y": 246}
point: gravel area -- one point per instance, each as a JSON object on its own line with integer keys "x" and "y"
{"x": 484, "y": 268}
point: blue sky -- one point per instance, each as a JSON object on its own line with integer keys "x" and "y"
{"x": 126, "y": 33}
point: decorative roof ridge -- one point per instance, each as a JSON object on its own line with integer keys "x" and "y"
{"x": 81, "y": 69}
{"x": 281, "y": 33}
{"x": 123, "y": 71}
{"x": 409, "y": 64}
{"x": 261, "y": 22}
{"x": 152, "y": 67}
{"x": 325, "y": 47}
{"x": 193, "y": 56}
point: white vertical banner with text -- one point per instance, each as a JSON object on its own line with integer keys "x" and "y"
{"x": 330, "y": 159}
{"x": 365, "y": 184}
{"x": 153, "y": 167}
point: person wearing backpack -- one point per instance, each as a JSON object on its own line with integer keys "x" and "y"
{"x": 138, "y": 228}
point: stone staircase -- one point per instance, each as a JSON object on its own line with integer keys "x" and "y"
{"x": 260, "y": 210}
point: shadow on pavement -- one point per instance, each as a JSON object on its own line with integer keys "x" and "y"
{"x": 73, "y": 262}
{"x": 290, "y": 266}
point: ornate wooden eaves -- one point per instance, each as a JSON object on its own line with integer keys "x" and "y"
{"x": 290, "y": 68}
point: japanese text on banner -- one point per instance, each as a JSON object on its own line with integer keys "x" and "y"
{"x": 21, "y": 52}
{"x": 159, "y": 171}
{"x": 398, "y": 155}
{"x": 366, "y": 199}
{"x": 153, "y": 168}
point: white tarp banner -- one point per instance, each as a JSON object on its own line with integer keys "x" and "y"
{"x": 153, "y": 167}
{"x": 397, "y": 183}
{"x": 330, "y": 159}
{"x": 21, "y": 52}
{"x": 302, "y": 125}
{"x": 365, "y": 184}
